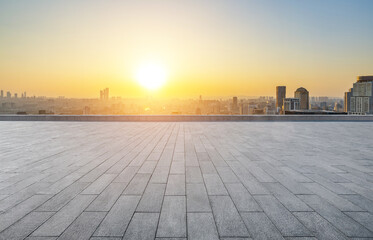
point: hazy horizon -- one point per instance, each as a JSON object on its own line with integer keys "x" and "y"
{"x": 208, "y": 48}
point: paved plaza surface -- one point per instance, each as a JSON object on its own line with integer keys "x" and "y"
{"x": 186, "y": 180}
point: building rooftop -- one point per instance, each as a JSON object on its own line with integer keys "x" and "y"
{"x": 195, "y": 180}
{"x": 364, "y": 78}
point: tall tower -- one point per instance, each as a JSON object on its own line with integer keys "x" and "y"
{"x": 303, "y": 96}
{"x": 280, "y": 95}
{"x": 347, "y": 100}
{"x": 1, "y": 93}
{"x": 106, "y": 93}
{"x": 235, "y": 109}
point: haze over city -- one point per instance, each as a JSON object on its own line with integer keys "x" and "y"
{"x": 186, "y": 119}
{"x": 213, "y": 48}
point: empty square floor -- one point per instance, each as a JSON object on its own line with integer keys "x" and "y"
{"x": 186, "y": 180}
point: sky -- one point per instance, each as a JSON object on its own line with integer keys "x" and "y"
{"x": 74, "y": 48}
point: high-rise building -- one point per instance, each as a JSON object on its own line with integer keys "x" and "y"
{"x": 235, "y": 109}
{"x": 291, "y": 104}
{"x": 347, "y": 100}
{"x": 303, "y": 96}
{"x": 104, "y": 94}
{"x": 359, "y": 100}
{"x": 244, "y": 108}
{"x": 16, "y": 95}
{"x": 1, "y": 93}
{"x": 280, "y": 95}
{"x": 8, "y": 94}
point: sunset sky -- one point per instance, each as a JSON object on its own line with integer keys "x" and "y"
{"x": 209, "y": 47}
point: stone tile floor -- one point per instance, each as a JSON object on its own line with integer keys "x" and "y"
{"x": 211, "y": 180}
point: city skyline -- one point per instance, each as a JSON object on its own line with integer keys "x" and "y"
{"x": 210, "y": 48}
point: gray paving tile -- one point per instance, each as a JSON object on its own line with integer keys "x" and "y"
{"x": 227, "y": 175}
{"x": 175, "y": 185}
{"x": 126, "y": 175}
{"x": 99, "y": 184}
{"x": 147, "y": 167}
{"x": 251, "y": 183}
{"x": 197, "y": 199}
{"x": 327, "y": 191}
{"x": 19, "y": 211}
{"x": 341, "y": 221}
{"x": 332, "y": 186}
{"x": 138, "y": 184}
{"x": 242, "y": 198}
{"x": 207, "y": 167}
{"x": 62, "y": 198}
{"x": 160, "y": 174}
{"x": 259, "y": 226}
{"x": 214, "y": 185}
{"x": 227, "y": 218}
{"x": 364, "y": 218}
{"x": 320, "y": 227}
{"x": 202, "y": 226}
{"x": 172, "y": 222}
{"x": 63, "y": 218}
{"x": 25, "y": 226}
{"x": 193, "y": 175}
{"x": 332, "y": 198}
{"x": 12, "y": 200}
{"x": 360, "y": 201}
{"x": 116, "y": 221}
{"x": 41, "y": 238}
{"x": 84, "y": 226}
{"x": 107, "y": 198}
{"x": 177, "y": 168}
{"x": 143, "y": 226}
{"x": 151, "y": 200}
{"x": 287, "y": 198}
{"x": 281, "y": 217}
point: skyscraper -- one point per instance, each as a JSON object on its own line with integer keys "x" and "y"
{"x": 235, "y": 109}
{"x": 303, "y": 96}
{"x": 360, "y": 98}
{"x": 280, "y": 95}
{"x": 104, "y": 94}
{"x": 291, "y": 104}
{"x": 1, "y": 93}
{"x": 347, "y": 100}
{"x": 8, "y": 94}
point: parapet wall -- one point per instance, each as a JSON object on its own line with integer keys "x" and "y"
{"x": 190, "y": 118}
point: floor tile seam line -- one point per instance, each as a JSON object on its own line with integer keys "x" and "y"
{"x": 129, "y": 222}
{"x": 33, "y": 210}
{"x": 160, "y": 211}
{"x": 273, "y": 222}
{"x": 35, "y": 227}
{"x": 361, "y": 225}
{"x": 212, "y": 211}
{"x": 6, "y": 209}
{"x": 23, "y": 188}
{"x": 111, "y": 164}
{"x": 151, "y": 174}
{"x": 154, "y": 137}
{"x": 335, "y": 227}
{"x": 19, "y": 221}
{"x": 277, "y": 198}
{"x": 55, "y": 194}
{"x": 159, "y": 131}
{"x": 73, "y": 221}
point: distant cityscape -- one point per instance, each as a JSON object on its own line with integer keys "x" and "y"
{"x": 358, "y": 100}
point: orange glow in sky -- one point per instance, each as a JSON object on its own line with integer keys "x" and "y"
{"x": 213, "y": 48}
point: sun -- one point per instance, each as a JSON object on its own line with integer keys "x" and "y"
{"x": 151, "y": 76}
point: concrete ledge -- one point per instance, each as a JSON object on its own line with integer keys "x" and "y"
{"x": 190, "y": 118}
